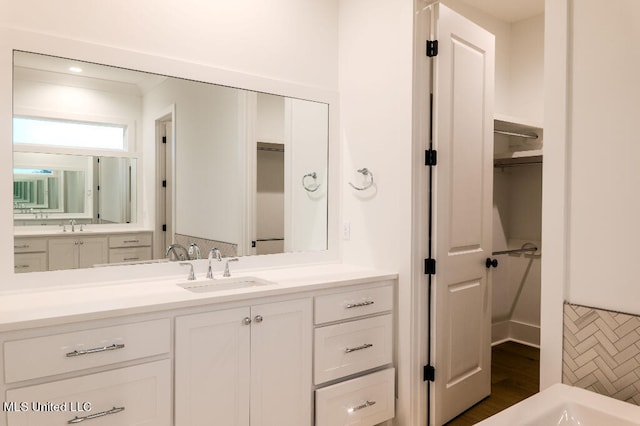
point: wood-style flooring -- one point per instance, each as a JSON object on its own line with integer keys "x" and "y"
{"x": 515, "y": 373}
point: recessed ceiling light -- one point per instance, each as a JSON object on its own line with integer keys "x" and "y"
{"x": 75, "y": 69}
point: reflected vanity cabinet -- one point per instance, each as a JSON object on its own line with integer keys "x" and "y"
{"x": 30, "y": 255}
{"x": 79, "y": 250}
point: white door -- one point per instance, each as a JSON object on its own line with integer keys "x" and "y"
{"x": 463, "y": 89}
{"x": 281, "y": 363}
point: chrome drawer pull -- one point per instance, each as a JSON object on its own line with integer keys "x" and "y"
{"x": 77, "y": 419}
{"x": 96, "y": 350}
{"x": 359, "y": 304}
{"x": 131, "y": 241}
{"x": 21, "y": 246}
{"x": 361, "y": 406}
{"x": 359, "y": 348}
{"x": 128, "y": 259}
{"x": 20, "y": 266}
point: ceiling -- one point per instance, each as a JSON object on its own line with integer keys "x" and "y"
{"x": 509, "y": 10}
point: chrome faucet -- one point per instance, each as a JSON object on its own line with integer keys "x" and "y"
{"x": 226, "y": 267}
{"x": 194, "y": 252}
{"x": 213, "y": 252}
{"x": 192, "y": 275}
{"x": 173, "y": 247}
{"x": 72, "y": 222}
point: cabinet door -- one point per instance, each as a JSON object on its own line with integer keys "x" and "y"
{"x": 63, "y": 253}
{"x": 93, "y": 251}
{"x": 212, "y": 368}
{"x": 281, "y": 335}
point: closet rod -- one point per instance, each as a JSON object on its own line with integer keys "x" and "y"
{"x": 529, "y": 163}
{"x": 520, "y": 135}
{"x": 514, "y": 251}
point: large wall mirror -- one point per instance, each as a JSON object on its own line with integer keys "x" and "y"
{"x": 120, "y": 150}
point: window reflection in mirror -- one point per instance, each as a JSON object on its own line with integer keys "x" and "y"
{"x": 188, "y": 162}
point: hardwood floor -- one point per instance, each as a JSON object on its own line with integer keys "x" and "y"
{"x": 515, "y": 375}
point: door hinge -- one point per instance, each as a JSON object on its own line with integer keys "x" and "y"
{"x": 430, "y": 266}
{"x": 432, "y": 48}
{"x": 430, "y": 157}
{"x": 164, "y": 228}
{"x": 164, "y": 183}
{"x": 429, "y": 373}
{"x": 164, "y": 139}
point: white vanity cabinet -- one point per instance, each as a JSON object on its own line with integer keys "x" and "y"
{"x": 245, "y": 366}
{"x": 113, "y": 375}
{"x": 353, "y": 354}
{"x": 30, "y": 255}
{"x": 77, "y": 251}
{"x": 134, "y": 247}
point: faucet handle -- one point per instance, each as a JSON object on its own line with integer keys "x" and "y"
{"x": 192, "y": 275}
{"x": 227, "y": 273}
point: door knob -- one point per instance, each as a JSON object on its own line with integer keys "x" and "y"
{"x": 491, "y": 262}
{"x": 258, "y": 318}
{"x": 246, "y": 320}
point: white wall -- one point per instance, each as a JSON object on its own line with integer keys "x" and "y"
{"x": 526, "y": 64}
{"x": 375, "y": 59}
{"x": 290, "y": 40}
{"x": 604, "y": 150}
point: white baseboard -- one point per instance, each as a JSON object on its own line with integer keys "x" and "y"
{"x": 515, "y": 331}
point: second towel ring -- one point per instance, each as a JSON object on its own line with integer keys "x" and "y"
{"x": 314, "y": 186}
{"x": 365, "y": 172}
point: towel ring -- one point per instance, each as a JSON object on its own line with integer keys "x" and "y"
{"x": 314, "y": 186}
{"x": 365, "y": 172}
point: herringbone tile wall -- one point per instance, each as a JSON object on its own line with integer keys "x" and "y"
{"x": 602, "y": 352}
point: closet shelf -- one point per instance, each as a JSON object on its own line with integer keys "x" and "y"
{"x": 517, "y": 141}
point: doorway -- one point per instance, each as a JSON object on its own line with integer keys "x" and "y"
{"x": 163, "y": 231}
{"x": 515, "y": 282}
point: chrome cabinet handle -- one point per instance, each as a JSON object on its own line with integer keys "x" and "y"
{"x": 359, "y": 304}
{"x": 361, "y": 406}
{"x": 77, "y": 419}
{"x": 20, "y": 266}
{"x": 258, "y": 318}
{"x": 358, "y": 348}
{"x": 21, "y": 246}
{"x": 96, "y": 350}
{"x": 131, "y": 241}
{"x": 127, "y": 259}
{"x": 246, "y": 321}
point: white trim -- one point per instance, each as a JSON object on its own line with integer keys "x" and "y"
{"x": 555, "y": 189}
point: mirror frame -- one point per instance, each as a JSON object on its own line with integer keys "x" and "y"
{"x": 12, "y": 39}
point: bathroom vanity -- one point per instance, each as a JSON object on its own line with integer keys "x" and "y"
{"x": 294, "y": 346}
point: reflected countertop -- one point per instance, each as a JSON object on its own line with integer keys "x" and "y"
{"x": 62, "y": 305}
{"x": 91, "y": 229}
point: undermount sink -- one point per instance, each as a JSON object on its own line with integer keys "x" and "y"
{"x": 204, "y": 285}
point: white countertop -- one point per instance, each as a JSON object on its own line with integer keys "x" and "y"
{"x": 54, "y": 306}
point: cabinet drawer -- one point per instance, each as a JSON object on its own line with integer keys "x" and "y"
{"x": 340, "y": 306}
{"x": 351, "y": 347}
{"x": 131, "y": 254}
{"x": 364, "y": 401}
{"x": 62, "y": 353}
{"x": 29, "y": 245}
{"x": 29, "y": 262}
{"x": 139, "y": 395}
{"x": 130, "y": 240}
